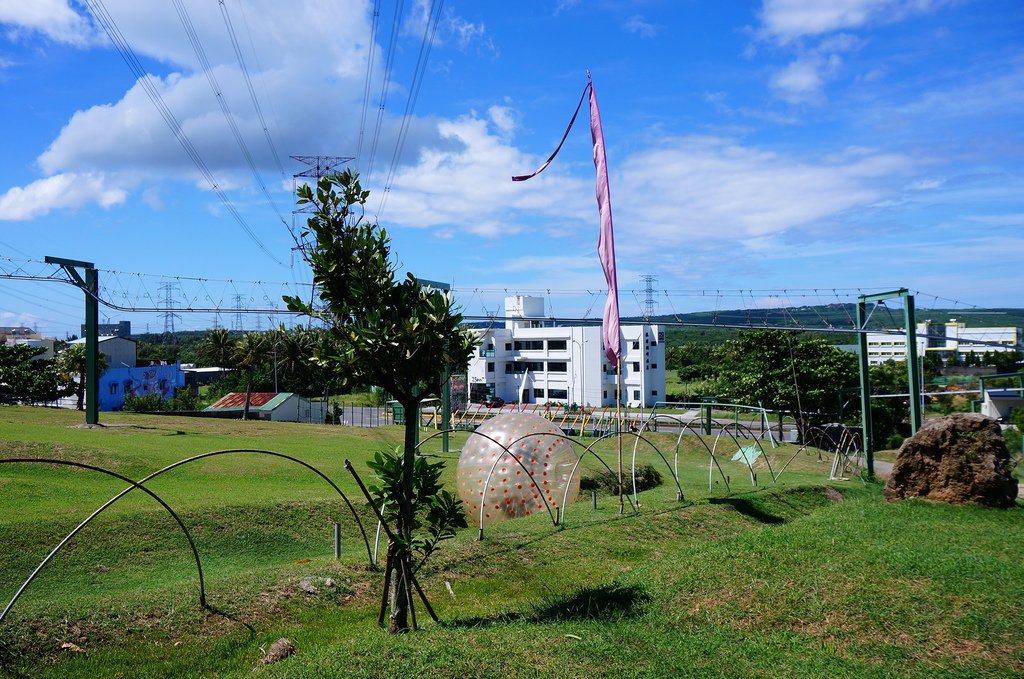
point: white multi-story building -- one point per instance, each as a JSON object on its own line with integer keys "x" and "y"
{"x": 953, "y": 339}
{"x": 529, "y": 360}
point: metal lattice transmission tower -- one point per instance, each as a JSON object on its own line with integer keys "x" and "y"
{"x": 168, "y": 290}
{"x": 239, "y": 305}
{"x": 649, "y": 301}
{"x": 318, "y": 167}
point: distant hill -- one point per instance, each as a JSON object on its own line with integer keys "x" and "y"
{"x": 708, "y": 325}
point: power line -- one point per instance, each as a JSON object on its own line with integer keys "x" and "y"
{"x": 146, "y": 82}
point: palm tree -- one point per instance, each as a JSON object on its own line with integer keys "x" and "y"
{"x": 217, "y": 348}
{"x": 252, "y": 350}
{"x": 71, "y": 362}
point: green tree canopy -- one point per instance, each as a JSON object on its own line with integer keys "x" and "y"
{"x": 217, "y": 348}
{"x": 31, "y": 379}
{"x": 781, "y": 370}
{"x": 71, "y": 363}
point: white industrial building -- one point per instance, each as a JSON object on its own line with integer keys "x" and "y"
{"x": 530, "y": 360}
{"x": 951, "y": 339}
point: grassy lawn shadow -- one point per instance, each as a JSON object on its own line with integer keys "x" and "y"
{"x": 747, "y": 508}
{"x": 613, "y": 601}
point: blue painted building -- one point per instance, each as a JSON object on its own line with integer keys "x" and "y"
{"x": 116, "y": 384}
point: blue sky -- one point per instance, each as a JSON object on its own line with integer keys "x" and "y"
{"x": 778, "y": 149}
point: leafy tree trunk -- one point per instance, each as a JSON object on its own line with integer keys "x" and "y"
{"x": 399, "y": 555}
{"x": 248, "y": 393}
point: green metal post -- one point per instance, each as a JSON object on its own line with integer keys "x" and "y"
{"x": 92, "y": 314}
{"x": 92, "y": 347}
{"x": 867, "y": 435}
{"x": 446, "y": 408}
{"x": 913, "y": 367}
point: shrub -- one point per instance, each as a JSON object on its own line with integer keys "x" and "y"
{"x": 1013, "y": 437}
{"x": 647, "y": 477}
{"x": 146, "y": 403}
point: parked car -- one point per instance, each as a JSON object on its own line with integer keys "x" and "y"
{"x": 495, "y": 402}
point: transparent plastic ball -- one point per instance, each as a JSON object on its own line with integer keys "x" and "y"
{"x": 524, "y": 470}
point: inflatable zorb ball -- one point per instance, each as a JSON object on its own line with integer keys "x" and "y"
{"x": 522, "y": 471}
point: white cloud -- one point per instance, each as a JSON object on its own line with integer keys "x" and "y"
{"x": 636, "y": 24}
{"x": 504, "y": 118}
{"x": 803, "y": 80}
{"x": 311, "y": 98}
{"x": 469, "y": 185}
{"x": 787, "y": 20}
{"x": 708, "y": 190}
{"x": 59, "y": 191}
{"x": 53, "y": 18}
{"x": 23, "y": 320}
{"x": 451, "y": 28}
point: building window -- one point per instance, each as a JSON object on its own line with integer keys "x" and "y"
{"x": 557, "y": 367}
{"x": 520, "y": 367}
{"x": 636, "y": 394}
{"x": 508, "y": 346}
{"x": 113, "y": 387}
{"x": 654, "y": 392}
{"x": 529, "y": 345}
{"x": 559, "y": 393}
{"x": 604, "y": 394}
{"x": 490, "y": 367}
{"x": 654, "y": 366}
{"x": 557, "y": 345}
{"x": 636, "y": 366}
{"x": 636, "y": 345}
{"x": 538, "y": 393}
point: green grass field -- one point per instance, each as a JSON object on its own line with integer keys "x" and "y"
{"x": 777, "y": 580}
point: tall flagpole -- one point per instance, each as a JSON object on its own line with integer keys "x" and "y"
{"x": 606, "y": 253}
{"x": 610, "y": 334}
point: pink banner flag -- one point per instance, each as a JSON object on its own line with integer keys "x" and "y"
{"x": 605, "y": 241}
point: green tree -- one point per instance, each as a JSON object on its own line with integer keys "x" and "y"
{"x": 395, "y": 334}
{"x": 31, "y": 379}
{"x": 71, "y": 363}
{"x": 888, "y": 415}
{"x": 251, "y": 351}
{"x": 217, "y": 348}
{"x": 692, "y": 361}
{"x": 780, "y": 370}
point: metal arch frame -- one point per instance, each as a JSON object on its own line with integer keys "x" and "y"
{"x": 738, "y": 427}
{"x": 590, "y": 449}
{"x": 687, "y": 425}
{"x": 188, "y": 535}
{"x": 80, "y": 526}
{"x": 636, "y": 444}
{"x": 272, "y": 453}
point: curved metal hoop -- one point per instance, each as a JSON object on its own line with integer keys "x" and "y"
{"x": 134, "y": 484}
{"x": 139, "y": 485}
{"x": 313, "y": 469}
